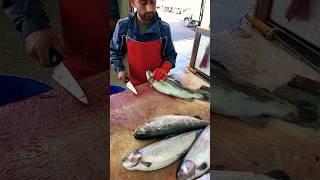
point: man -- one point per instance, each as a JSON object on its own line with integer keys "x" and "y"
{"x": 147, "y": 40}
{"x": 85, "y": 34}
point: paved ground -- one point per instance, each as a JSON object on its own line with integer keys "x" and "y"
{"x": 178, "y": 31}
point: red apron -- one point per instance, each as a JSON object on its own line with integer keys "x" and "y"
{"x": 85, "y": 27}
{"x": 143, "y": 56}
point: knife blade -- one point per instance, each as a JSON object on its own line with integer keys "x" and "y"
{"x": 63, "y": 76}
{"x": 130, "y": 86}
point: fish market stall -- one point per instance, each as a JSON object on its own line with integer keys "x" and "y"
{"x": 54, "y": 136}
{"x": 128, "y": 112}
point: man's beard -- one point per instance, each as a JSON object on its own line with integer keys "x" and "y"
{"x": 148, "y": 16}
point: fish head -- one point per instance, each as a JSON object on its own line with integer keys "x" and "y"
{"x": 149, "y": 76}
{"x": 187, "y": 170}
{"x": 142, "y": 132}
{"x": 131, "y": 160}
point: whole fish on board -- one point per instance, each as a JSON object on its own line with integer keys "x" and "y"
{"x": 160, "y": 154}
{"x": 174, "y": 88}
{"x": 238, "y": 98}
{"x": 197, "y": 160}
{"x": 169, "y": 124}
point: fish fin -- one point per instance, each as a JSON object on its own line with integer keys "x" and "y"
{"x": 197, "y": 116}
{"x": 278, "y": 174}
{"x": 205, "y": 92}
{"x": 170, "y": 76}
{"x": 198, "y": 132}
{"x": 147, "y": 164}
{"x": 177, "y": 81}
{"x": 259, "y": 121}
{"x": 202, "y": 166}
{"x": 172, "y": 79}
{"x": 205, "y": 96}
{"x": 174, "y": 82}
{"x": 307, "y": 112}
{"x": 169, "y": 136}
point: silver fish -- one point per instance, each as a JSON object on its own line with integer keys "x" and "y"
{"x": 238, "y": 98}
{"x": 169, "y": 124}
{"x": 197, "y": 160}
{"x": 160, "y": 154}
{"x": 172, "y": 87}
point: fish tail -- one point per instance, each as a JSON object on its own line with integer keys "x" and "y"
{"x": 205, "y": 97}
{"x": 205, "y": 93}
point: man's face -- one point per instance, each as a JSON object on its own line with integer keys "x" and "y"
{"x": 145, "y": 8}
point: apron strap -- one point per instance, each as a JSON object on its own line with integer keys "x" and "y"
{"x": 158, "y": 27}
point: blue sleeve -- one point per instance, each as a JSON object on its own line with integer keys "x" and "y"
{"x": 169, "y": 52}
{"x": 117, "y": 47}
{"x": 28, "y": 15}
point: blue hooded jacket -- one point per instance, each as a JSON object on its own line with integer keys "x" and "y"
{"x": 128, "y": 28}
{"x": 28, "y": 15}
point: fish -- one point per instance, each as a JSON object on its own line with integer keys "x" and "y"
{"x": 197, "y": 160}
{"x": 174, "y": 88}
{"x": 161, "y": 153}
{"x": 169, "y": 124}
{"x": 235, "y": 97}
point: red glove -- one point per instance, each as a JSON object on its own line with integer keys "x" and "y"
{"x": 162, "y": 72}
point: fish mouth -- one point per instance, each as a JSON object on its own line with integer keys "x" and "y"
{"x": 142, "y": 133}
{"x": 128, "y": 164}
{"x": 187, "y": 170}
{"x": 149, "y": 75}
{"x": 132, "y": 160}
{"x": 139, "y": 135}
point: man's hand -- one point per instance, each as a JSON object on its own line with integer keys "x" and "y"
{"x": 162, "y": 72}
{"x": 159, "y": 74}
{"x": 122, "y": 75}
{"x": 38, "y": 43}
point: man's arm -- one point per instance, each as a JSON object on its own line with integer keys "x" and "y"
{"x": 169, "y": 55}
{"x": 31, "y": 20}
{"x": 117, "y": 49}
{"x": 169, "y": 52}
{"x": 28, "y": 15}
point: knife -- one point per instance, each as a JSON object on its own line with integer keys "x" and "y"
{"x": 63, "y": 76}
{"x": 130, "y": 86}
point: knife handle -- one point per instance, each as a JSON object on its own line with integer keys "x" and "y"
{"x": 55, "y": 56}
{"x": 126, "y": 79}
